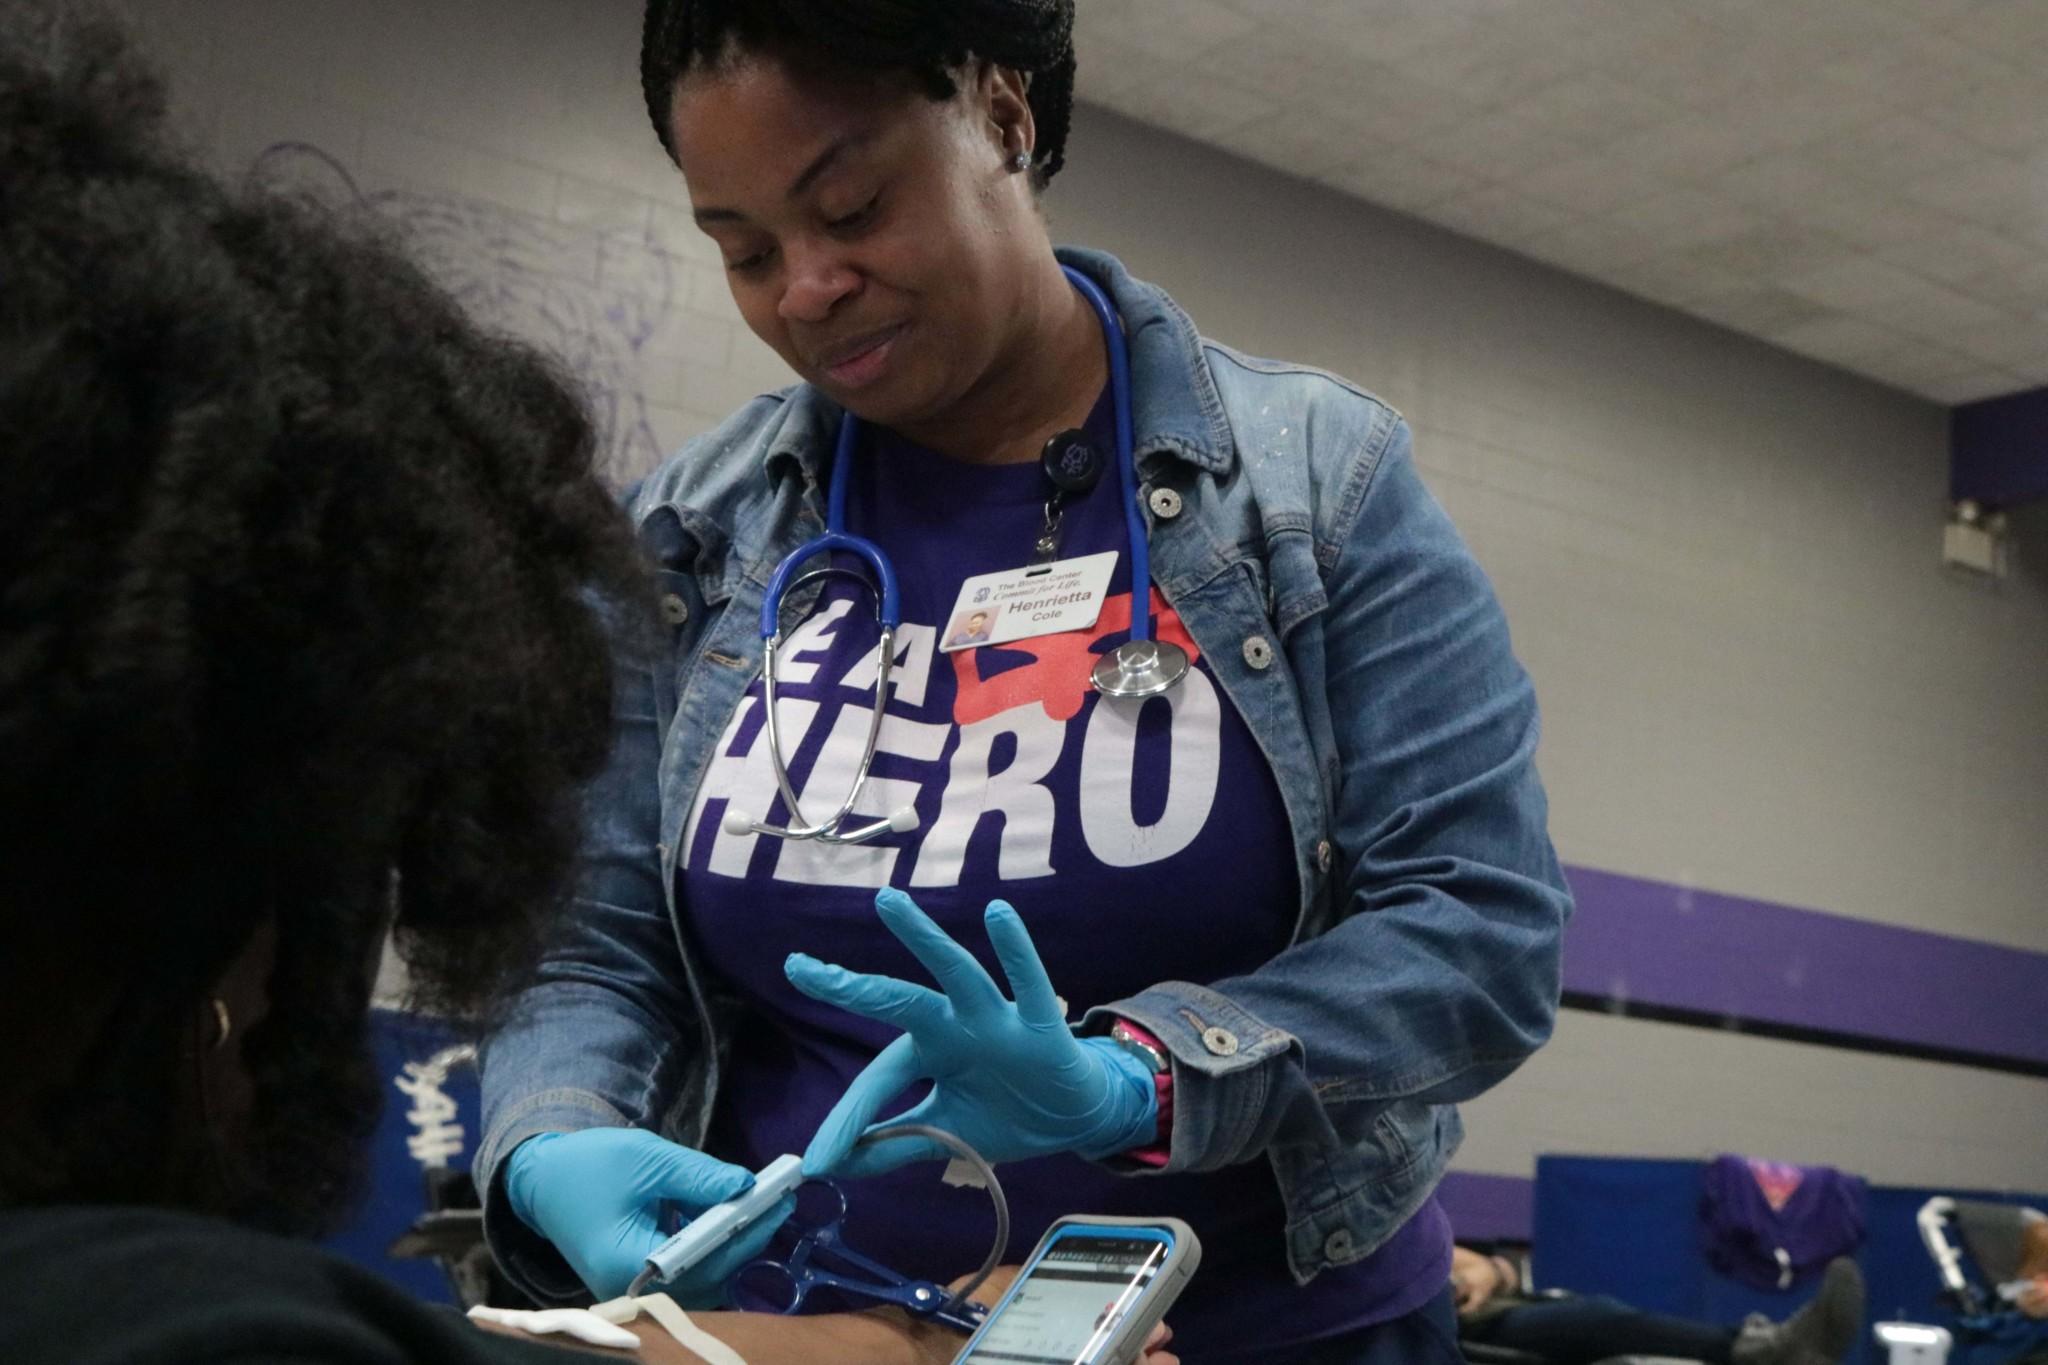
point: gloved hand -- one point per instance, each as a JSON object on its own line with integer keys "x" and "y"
{"x": 598, "y": 1195}
{"x": 1009, "y": 1078}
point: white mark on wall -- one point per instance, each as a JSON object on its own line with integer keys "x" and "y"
{"x": 436, "y": 1138}
{"x": 590, "y": 297}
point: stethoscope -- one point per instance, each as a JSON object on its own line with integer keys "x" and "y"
{"x": 1140, "y": 667}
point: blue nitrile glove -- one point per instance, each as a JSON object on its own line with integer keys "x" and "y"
{"x": 598, "y": 1195}
{"x": 1010, "y": 1079}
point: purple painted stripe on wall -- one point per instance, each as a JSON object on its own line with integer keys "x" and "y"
{"x": 1998, "y": 449}
{"x": 1488, "y": 1208}
{"x": 1650, "y": 942}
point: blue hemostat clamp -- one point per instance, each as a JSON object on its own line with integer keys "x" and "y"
{"x": 715, "y": 1227}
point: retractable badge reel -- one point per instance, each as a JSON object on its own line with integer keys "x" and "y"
{"x": 1073, "y": 466}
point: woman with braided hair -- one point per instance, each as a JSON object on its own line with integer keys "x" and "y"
{"x": 1286, "y": 909}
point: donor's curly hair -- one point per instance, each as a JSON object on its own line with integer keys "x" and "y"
{"x": 926, "y": 40}
{"x": 308, "y": 595}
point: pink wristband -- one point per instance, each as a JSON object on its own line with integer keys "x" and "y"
{"x": 1157, "y": 1154}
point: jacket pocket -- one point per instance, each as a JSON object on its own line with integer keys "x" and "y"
{"x": 1294, "y": 586}
{"x": 1400, "y": 1134}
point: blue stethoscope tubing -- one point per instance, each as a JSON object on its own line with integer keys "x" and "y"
{"x": 1135, "y": 669}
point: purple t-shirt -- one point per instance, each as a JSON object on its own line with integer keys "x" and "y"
{"x": 1772, "y": 1225}
{"x": 1141, "y": 841}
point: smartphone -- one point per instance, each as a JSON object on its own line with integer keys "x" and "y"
{"x": 1091, "y": 1293}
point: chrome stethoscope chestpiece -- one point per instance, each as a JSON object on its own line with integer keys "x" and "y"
{"x": 1139, "y": 668}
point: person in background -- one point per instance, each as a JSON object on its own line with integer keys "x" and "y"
{"x": 1494, "y": 1310}
{"x": 2033, "y": 1268}
{"x": 308, "y": 604}
{"x": 1283, "y": 917}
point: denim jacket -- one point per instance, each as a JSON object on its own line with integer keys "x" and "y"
{"x": 1362, "y": 646}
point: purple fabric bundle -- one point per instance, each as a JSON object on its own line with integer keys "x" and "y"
{"x": 1771, "y": 1225}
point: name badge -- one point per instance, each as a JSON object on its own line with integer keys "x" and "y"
{"x": 996, "y": 608}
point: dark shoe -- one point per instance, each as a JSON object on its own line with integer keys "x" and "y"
{"x": 1819, "y": 1334}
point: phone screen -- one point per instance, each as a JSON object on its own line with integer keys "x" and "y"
{"x": 1072, "y": 1300}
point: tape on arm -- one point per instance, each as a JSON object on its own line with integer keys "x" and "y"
{"x": 579, "y": 1324}
{"x": 663, "y": 1311}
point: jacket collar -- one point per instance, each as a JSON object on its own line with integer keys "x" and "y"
{"x": 1176, "y": 411}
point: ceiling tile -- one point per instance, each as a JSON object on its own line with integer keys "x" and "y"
{"x": 1280, "y": 58}
{"x": 1863, "y": 180}
{"x": 1855, "y": 283}
{"x": 1962, "y": 254}
{"x": 1668, "y": 280}
{"x": 1594, "y": 109}
{"x": 1909, "y": 73}
{"x": 1968, "y": 388}
{"x": 1390, "y": 105}
{"x": 1898, "y": 146}
{"x": 2003, "y": 113}
{"x": 1288, "y": 142}
{"x": 1936, "y": 310}
{"x": 1269, "y": 10}
{"x": 1787, "y": 185}
{"x": 1933, "y": 15}
{"x": 2017, "y": 343}
{"x": 1825, "y": 27}
{"x": 1494, "y": 62}
{"x": 1685, "y": 218}
{"x": 1496, "y": 146}
{"x": 1401, "y": 180}
{"x": 2006, "y": 29}
{"x": 1758, "y": 310}
{"x": 1177, "y": 34}
{"x": 1115, "y": 68}
{"x": 1993, "y": 192}
{"x": 1686, "y": 59}
{"x": 1868, "y": 219}
{"x": 2024, "y": 290}
{"x": 1594, "y": 183}
{"x": 1495, "y": 213}
{"x": 1839, "y": 339}
{"x": 1771, "y": 250}
{"x": 1223, "y": 109}
{"x": 1389, "y": 31}
{"x": 1918, "y": 363}
{"x": 1692, "y": 151}
{"x": 1586, "y": 246}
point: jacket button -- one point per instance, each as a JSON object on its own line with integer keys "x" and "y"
{"x": 1165, "y": 503}
{"x": 1322, "y": 855}
{"x": 674, "y": 609}
{"x": 1220, "y": 1041}
{"x": 1338, "y": 1244}
{"x": 1258, "y": 652}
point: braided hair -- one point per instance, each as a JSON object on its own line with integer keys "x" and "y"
{"x": 927, "y": 39}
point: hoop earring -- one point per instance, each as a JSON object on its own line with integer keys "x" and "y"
{"x": 223, "y": 1021}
